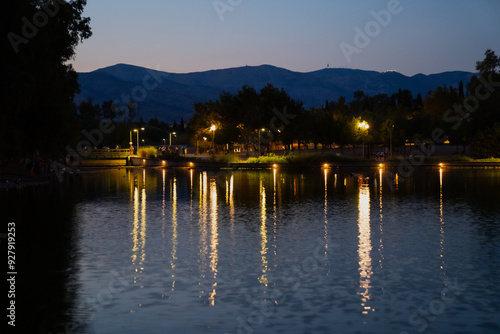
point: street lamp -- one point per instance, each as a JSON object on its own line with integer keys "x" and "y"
{"x": 137, "y": 130}
{"x": 363, "y": 126}
{"x": 205, "y": 141}
{"x": 213, "y": 128}
{"x": 170, "y": 144}
{"x": 259, "y": 137}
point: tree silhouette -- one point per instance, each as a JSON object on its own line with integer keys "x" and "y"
{"x": 489, "y": 64}
{"x": 38, "y": 113}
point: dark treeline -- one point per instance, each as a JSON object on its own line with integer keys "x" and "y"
{"x": 465, "y": 114}
{"x": 124, "y": 120}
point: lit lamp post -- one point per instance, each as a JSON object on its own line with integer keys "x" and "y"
{"x": 170, "y": 143}
{"x": 213, "y": 128}
{"x": 137, "y": 130}
{"x": 259, "y": 137}
{"x": 205, "y": 141}
{"x": 364, "y": 127}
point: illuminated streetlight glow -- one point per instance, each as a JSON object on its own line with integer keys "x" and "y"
{"x": 213, "y": 128}
{"x": 170, "y": 142}
{"x": 363, "y": 126}
{"x": 136, "y": 130}
{"x": 259, "y": 136}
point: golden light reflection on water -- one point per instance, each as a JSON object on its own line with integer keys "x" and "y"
{"x": 364, "y": 247}
{"x": 231, "y": 202}
{"x": 139, "y": 225}
{"x": 275, "y": 209}
{"x": 214, "y": 239}
{"x": 208, "y": 227}
{"x": 263, "y": 233}
{"x": 441, "y": 224}
{"x": 203, "y": 221}
{"x": 173, "y": 186}
{"x": 326, "y": 210}
{"x": 135, "y": 230}
{"x": 173, "y": 196}
{"x": 381, "y": 224}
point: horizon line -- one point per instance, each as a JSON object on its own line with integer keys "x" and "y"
{"x": 278, "y": 67}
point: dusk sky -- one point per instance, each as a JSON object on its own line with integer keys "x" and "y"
{"x": 418, "y": 36}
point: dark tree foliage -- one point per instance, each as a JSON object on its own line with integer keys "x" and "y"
{"x": 37, "y": 109}
{"x": 489, "y": 64}
{"x": 394, "y": 119}
{"x": 240, "y": 117}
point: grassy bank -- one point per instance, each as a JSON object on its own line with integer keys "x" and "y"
{"x": 302, "y": 159}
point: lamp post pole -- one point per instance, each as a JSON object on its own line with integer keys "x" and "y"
{"x": 138, "y": 142}
{"x": 259, "y": 137}
{"x": 259, "y": 143}
{"x": 364, "y": 126}
{"x": 136, "y": 130}
{"x": 170, "y": 142}
{"x": 212, "y": 128}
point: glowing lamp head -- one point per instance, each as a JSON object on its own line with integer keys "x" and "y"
{"x": 363, "y": 125}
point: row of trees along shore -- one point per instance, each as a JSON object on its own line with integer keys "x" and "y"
{"x": 468, "y": 113}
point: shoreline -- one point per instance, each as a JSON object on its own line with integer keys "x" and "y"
{"x": 15, "y": 179}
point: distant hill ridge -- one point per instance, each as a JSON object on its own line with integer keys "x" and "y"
{"x": 170, "y": 96}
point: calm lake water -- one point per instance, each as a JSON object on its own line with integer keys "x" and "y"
{"x": 274, "y": 251}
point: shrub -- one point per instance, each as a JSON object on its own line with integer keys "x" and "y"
{"x": 148, "y": 152}
{"x": 270, "y": 158}
{"x": 226, "y": 158}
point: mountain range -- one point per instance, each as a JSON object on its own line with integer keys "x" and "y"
{"x": 170, "y": 96}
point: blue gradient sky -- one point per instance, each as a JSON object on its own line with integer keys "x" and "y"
{"x": 427, "y": 36}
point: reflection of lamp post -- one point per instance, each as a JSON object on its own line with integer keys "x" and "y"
{"x": 212, "y": 128}
{"x": 170, "y": 143}
{"x": 363, "y": 126}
